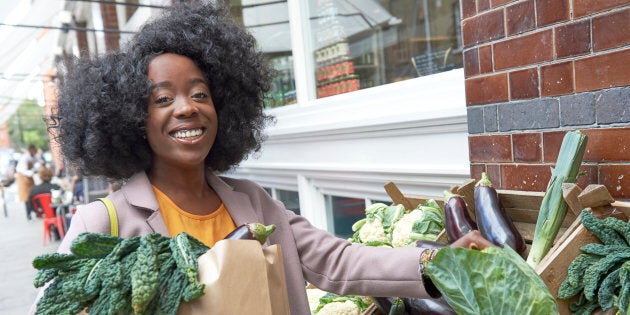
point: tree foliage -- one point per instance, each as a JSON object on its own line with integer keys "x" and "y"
{"x": 27, "y": 126}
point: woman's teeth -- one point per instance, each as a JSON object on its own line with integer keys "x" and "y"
{"x": 183, "y": 134}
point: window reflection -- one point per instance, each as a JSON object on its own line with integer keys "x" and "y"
{"x": 364, "y": 43}
{"x": 345, "y": 212}
{"x": 268, "y": 21}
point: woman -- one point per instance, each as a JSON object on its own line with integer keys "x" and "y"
{"x": 182, "y": 103}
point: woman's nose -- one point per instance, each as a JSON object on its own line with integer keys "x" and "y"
{"x": 185, "y": 107}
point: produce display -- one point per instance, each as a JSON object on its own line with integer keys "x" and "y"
{"x": 149, "y": 274}
{"x": 600, "y": 275}
{"x": 392, "y": 226}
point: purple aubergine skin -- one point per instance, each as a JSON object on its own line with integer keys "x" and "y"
{"x": 428, "y": 307}
{"x": 457, "y": 220}
{"x": 241, "y": 233}
{"x": 493, "y": 222}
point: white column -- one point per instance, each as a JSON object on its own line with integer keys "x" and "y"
{"x": 301, "y": 44}
{"x": 312, "y": 204}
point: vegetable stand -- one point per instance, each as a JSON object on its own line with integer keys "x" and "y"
{"x": 523, "y": 208}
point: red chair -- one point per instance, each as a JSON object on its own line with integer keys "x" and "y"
{"x": 41, "y": 202}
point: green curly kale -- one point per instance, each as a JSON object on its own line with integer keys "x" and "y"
{"x": 621, "y": 227}
{"x": 607, "y": 289}
{"x": 594, "y": 274}
{"x": 605, "y": 233}
{"x": 109, "y": 275}
{"x": 144, "y": 276}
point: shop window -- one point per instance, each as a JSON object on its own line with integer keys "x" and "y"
{"x": 268, "y": 21}
{"x": 291, "y": 199}
{"x": 345, "y": 212}
{"x": 364, "y": 43}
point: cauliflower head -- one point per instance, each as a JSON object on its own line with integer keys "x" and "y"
{"x": 340, "y": 308}
{"x": 373, "y": 231}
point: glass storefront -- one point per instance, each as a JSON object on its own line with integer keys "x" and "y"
{"x": 268, "y": 21}
{"x": 357, "y": 44}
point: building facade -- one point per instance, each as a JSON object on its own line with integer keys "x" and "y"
{"x": 424, "y": 94}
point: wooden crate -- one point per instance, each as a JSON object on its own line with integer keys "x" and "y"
{"x": 523, "y": 208}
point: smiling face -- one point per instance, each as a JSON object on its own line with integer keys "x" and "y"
{"x": 182, "y": 123}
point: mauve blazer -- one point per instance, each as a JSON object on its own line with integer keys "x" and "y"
{"x": 310, "y": 254}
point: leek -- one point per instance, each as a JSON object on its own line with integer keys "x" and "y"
{"x": 553, "y": 208}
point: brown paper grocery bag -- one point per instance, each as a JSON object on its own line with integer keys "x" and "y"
{"x": 241, "y": 277}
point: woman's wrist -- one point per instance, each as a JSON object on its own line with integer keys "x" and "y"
{"x": 425, "y": 257}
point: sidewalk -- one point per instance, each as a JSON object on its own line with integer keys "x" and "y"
{"x": 22, "y": 241}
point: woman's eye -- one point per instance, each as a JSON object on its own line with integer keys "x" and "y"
{"x": 161, "y": 100}
{"x": 200, "y": 95}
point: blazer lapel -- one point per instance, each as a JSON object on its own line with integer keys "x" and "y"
{"x": 139, "y": 193}
{"x": 237, "y": 203}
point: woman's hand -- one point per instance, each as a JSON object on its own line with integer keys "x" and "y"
{"x": 472, "y": 240}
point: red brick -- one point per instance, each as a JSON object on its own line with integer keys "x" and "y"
{"x": 524, "y": 84}
{"x": 484, "y": 27}
{"x": 469, "y": 8}
{"x": 490, "y": 148}
{"x": 552, "y": 140}
{"x": 587, "y": 175}
{"x": 573, "y": 39}
{"x": 525, "y": 50}
{"x": 496, "y": 3}
{"x": 607, "y": 145}
{"x": 527, "y": 147}
{"x": 520, "y": 17}
{"x": 586, "y": 7}
{"x": 552, "y": 11}
{"x": 494, "y": 174}
{"x": 483, "y": 5}
{"x": 611, "y": 30}
{"x": 556, "y": 79}
{"x": 527, "y": 177}
{"x": 616, "y": 177}
{"x": 603, "y": 71}
{"x": 487, "y": 89}
{"x": 476, "y": 169}
{"x": 471, "y": 62}
{"x": 485, "y": 59}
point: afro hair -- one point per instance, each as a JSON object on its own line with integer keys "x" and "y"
{"x": 103, "y": 100}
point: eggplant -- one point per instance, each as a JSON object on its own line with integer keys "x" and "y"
{"x": 252, "y": 231}
{"x": 428, "y": 307}
{"x": 493, "y": 222}
{"x": 413, "y": 306}
{"x": 457, "y": 219}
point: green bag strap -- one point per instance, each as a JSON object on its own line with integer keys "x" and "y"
{"x": 113, "y": 217}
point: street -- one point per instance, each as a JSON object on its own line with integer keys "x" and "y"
{"x": 22, "y": 241}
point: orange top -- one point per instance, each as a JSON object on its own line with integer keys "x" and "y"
{"x": 208, "y": 229}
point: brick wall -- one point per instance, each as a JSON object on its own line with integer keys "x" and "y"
{"x": 110, "y": 21}
{"x": 537, "y": 68}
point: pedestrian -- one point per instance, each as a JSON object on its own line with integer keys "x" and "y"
{"x": 45, "y": 175}
{"x": 181, "y": 104}
{"x": 25, "y": 170}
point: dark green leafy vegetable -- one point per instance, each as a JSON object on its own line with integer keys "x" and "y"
{"x": 603, "y": 250}
{"x": 572, "y": 284}
{"x": 621, "y": 227}
{"x": 147, "y": 274}
{"x": 607, "y": 289}
{"x": 594, "y": 274}
{"x": 603, "y": 232}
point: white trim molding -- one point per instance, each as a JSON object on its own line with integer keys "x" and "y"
{"x": 413, "y": 133}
